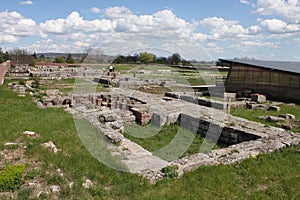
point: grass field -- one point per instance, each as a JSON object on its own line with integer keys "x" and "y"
{"x": 253, "y": 115}
{"x": 155, "y": 139}
{"x": 274, "y": 176}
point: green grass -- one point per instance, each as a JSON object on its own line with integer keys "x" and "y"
{"x": 168, "y": 142}
{"x": 64, "y": 85}
{"x": 274, "y": 176}
{"x": 123, "y": 68}
{"x": 255, "y": 113}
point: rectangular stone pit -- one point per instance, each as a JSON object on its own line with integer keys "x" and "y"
{"x": 225, "y": 134}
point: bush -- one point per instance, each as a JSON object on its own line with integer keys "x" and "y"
{"x": 11, "y": 178}
{"x": 170, "y": 171}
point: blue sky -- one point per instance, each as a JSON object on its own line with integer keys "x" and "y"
{"x": 201, "y": 30}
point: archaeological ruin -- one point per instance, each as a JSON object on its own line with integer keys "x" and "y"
{"x": 123, "y": 105}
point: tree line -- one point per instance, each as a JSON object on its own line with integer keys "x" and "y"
{"x": 149, "y": 58}
{"x": 22, "y": 56}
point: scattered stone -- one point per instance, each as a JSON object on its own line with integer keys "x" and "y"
{"x": 274, "y": 119}
{"x": 87, "y": 184}
{"x": 40, "y": 104}
{"x": 286, "y": 126}
{"x": 33, "y": 184}
{"x": 56, "y": 101}
{"x": 71, "y": 111}
{"x": 290, "y": 116}
{"x": 51, "y": 145}
{"x": 114, "y": 136}
{"x": 59, "y": 172}
{"x": 274, "y": 108}
{"x": 71, "y": 185}
{"x": 30, "y": 134}
{"x": 259, "y": 98}
{"x": 107, "y": 117}
{"x": 117, "y": 125}
{"x": 287, "y": 116}
{"x": 9, "y": 144}
{"x": 252, "y": 105}
{"x": 55, "y": 188}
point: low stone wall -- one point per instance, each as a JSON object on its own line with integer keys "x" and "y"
{"x": 246, "y": 138}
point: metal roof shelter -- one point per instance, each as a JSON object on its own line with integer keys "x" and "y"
{"x": 287, "y": 66}
{"x": 279, "y": 80}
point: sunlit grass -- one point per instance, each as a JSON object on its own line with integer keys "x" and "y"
{"x": 274, "y": 176}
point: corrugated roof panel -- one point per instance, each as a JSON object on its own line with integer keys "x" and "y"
{"x": 287, "y": 66}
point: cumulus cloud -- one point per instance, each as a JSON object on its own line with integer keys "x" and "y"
{"x": 276, "y": 26}
{"x": 13, "y": 25}
{"x": 221, "y": 29}
{"x": 8, "y": 38}
{"x": 119, "y": 31}
{"x": 95, "y": 10}
{"x": 117, "y": 12}
{"x": 213, "y": 47}
{"x": 75, "y": 22}
{"x": 289, "y": 10}
{"x": 26, "y": 2}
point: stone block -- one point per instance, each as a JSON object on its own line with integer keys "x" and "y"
{"x": 142, "y": 116}
{"x": 107, "y": 117}
{"x": 275, "y": 119}
{"x": 274, "y": 108}
{"x": 252, "y": 106}
{"x": 259, "y": 98}
{"x": 290, "y": 116}
{"x": 158, "y": 119}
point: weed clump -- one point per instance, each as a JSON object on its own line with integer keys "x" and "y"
{"x": 11, "y": 178}
{"x": 170, "y": 171}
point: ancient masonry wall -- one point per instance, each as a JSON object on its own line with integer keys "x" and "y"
{"x": 247, "y": 138}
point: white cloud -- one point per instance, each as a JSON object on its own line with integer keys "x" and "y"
{"x": 276, "y": 26}
{"x": 221, "y": 29}
{"x": 75, "y": 22}
{"x": 260, "y": 44}
{"x": 14, "y": 24}
{"x": 95, "y": 10}
{"x": 213, "y": 47}
{"x": 289, "y": 10}
{"x": 245, "y": 2}
{"x": 8, "y": 38}
{"x": 26, "y": 2}
{"x": 117, "y": 12}
{"x": 119, "y": 31}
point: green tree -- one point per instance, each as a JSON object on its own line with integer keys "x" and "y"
{"x": 34, "y": 55}
{"x": 2, "y": 56}
{"x": 60, "y": 59}
{"x": 6, "y": 55}
{"x": 70, "y": 59}
{"x": 175, "y": 59}
{"x": 147, "y": 57}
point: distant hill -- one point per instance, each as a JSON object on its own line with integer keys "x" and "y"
{"x": 53, "y": 55}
